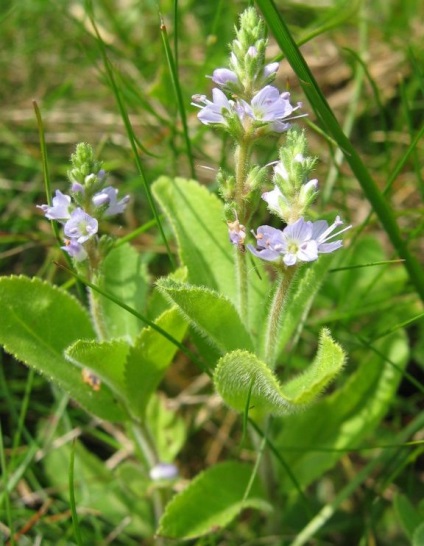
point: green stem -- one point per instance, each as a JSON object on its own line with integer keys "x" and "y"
{"x": 274, "y": 315}
{"x": 243, "y": 285}
{"x": 242, "y": 161}
{"x": 144, "y": 444}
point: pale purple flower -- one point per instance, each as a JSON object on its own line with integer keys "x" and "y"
{"x": 252, "y": 51}
{"x": 270, "y": 68}
{"x": 60, "y": 208}
{"x": 269, "y": 106}
{"x": 80, "y": 226}
{"x": 301, "y": 241}
{"x": 108, "y": 196}
{"x": 269, "y": 244}
{"x": 163, "y": 471}
{"x": 75, "y": 250}
{"x": 223, "y": 76}
{"x": 236, "y": 233}
{"x": 77, "y": 187}
{"x": 212, "y": 112}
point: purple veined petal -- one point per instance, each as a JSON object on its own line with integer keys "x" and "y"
{"x": 80, "y": 226}
{"x": 308, "y": 251}
{"x": 222, "y": 76}
{"x": 270, "y": 68}
{"x": 75, "y": 250}
{"x": 269, "y": 237}
{"x": 299, "y": 232}
{"x": 325, "y": 248}
{"x": 59, "y": 209}
{"x": 266, "y": 96}
{"x": 266, "y": 254}
{"x": 212, "y": 112}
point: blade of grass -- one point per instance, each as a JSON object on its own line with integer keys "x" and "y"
{"x": 130, "y": 132}
{"x": 7, "y": 504}
{"x": 75, "y": 521}
{"x": 330, "y": 123}
{"x": 178, "y": 94}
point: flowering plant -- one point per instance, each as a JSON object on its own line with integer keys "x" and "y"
{"x": 251, "y": 263}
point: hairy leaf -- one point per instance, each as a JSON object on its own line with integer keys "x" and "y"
{"x": 105, "y": 358}
{"x": 149, "y": 359}
{"x": 125, "y": 277}
{"x": 37, "y": 322}
{"x": 197, "y": 219}
{"x": 211, "y": 313}
{"x": 242, "y": 378}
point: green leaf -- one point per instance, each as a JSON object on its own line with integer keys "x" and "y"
{"x": 418, "y": 536}
{"x": 408, "y": 515}
{"x": 341, "y": 420}
{"x": 105, "y": 358}
{"x": 37, "y": 322}
{"x": 125, "y": 277}
{"x": 149, "y": 359}
{"x": 211, "y": 501}
{"x": 197, "y": 219}
{"x": 241, "y": 377}
{"x": 211, "y": 313}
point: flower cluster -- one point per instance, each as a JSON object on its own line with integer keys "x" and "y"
{"x": 259, "y": 108}
{"x": 90, "y": 201}
{"x": 293, "y": 193}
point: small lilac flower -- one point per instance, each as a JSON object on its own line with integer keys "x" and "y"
{"x": 60, "y": 209}
{"x": 223, "y": 76}
{"x": 269, "y": 244}
{"x": 252, "y": 51}
{"x": 236, "y": 233}
{"x": 108, "y": 196}
{"x": 270, "y": 68}
{"x": 163, "y": 471}
{"x": 80, "y": 226}
{"x": 75, "y": 250}
{"x": 77, "y": 187}
{"x": 269, "y": 106}
{"x": 212, "y": 111}
{"x": 299, "y": 244}
{"x": 301, "y": 241}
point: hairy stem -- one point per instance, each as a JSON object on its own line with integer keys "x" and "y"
{"x": 274, "y": 315}
{"x": 242, "y": 161}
